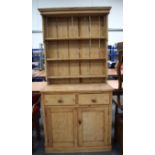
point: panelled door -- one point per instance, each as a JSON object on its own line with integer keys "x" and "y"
{"x": 93, "y": 126}
{"x": 60, "y": 126}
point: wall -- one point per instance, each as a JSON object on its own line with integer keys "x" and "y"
{"x": 115, "y": 17}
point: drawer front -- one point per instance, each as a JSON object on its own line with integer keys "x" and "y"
{"x": 68, "y": 99}
{"x": 86, "y": 99}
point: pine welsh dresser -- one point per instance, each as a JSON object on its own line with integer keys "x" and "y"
{"x": 77, "y": 101}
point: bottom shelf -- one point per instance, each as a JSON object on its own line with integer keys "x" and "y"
{"x": 76, "y": 79}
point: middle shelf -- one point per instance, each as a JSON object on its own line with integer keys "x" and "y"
{"x": 76, "y": 77}
{"x": 75, "y": 59}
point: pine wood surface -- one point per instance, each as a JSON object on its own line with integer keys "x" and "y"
{"x": 74, "y": 125}
{"x": 82, "y": 38}
{"x": 77, "y": 101}
{"x": 77, "y": 88}
{"x": 74, "y": 11}
{"x": 39, "y": 86}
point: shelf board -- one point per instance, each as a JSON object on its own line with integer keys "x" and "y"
{"x": 76, "y": 77}
{"x": 80, "y": 59}
{"x": 84, "y": 38}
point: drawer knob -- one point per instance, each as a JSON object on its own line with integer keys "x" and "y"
{"x": 80, "y": 122}
{"x": 60, "y": 101}
{"x": 93, "y": 100}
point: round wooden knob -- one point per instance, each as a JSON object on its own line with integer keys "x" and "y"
{"x": 93, "y": 100}
{"x": 60, "y": 101}
{"x": 80, "y": 121}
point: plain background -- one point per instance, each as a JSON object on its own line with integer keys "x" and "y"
{"x": 16, "y": 77}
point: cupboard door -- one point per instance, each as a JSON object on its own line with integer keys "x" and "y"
{"x": 60, "y": 126}
{"x": 93, "y": 126}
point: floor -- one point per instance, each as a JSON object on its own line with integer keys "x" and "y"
{"x": 40, "y": 151}
{"x": 40, "y": 146}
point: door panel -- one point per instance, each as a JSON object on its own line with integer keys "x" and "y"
{"x": 61, "y": 127}
{"x": 93, "y": 126}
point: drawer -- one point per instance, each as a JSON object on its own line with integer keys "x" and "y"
{"x": 68, "y": 99}
{"x": 87, "y": 99}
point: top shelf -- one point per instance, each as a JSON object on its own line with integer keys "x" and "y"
{"x": 83, "y": 38}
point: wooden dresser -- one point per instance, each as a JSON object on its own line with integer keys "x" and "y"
{"x": 76, "y": 103}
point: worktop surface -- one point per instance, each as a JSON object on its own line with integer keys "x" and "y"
{"x": 77, "y": 88}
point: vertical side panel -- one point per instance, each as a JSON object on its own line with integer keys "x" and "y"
{"x": 49, "y": 126}
{"x": 110, "y": 120}
{"x": 106, "y": 44}
{"x": 106, "y": 128}
{"x": 44, "y": 116}
{"x": 44, "y": 27}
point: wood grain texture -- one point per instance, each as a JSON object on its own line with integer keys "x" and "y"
{"x": 86, "y": 99}
{"x": 74, "y": 11}
{"x": 75, "y": 126}
{"x": 73, "y": 30}
{"x": 77, "y": 88}
{"x": 62, "y": 27}
{"x": 92, "y": 126}
{"x": 60, "y": 99}
{"x": 74, "y": 66}
{"x": 52, "y": 50}
{"x": 60, "y": 129}
{"x": 71, "y": 37}
{"x": 77, "y": 116}
{"x": 39, "y": 86}
{"x": 51, "y": 27}
{"x": 78, "y": 149}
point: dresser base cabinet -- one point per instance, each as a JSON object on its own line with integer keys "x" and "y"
{"x": 77, "y": 120}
